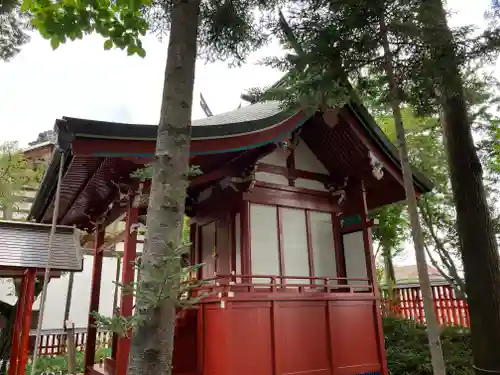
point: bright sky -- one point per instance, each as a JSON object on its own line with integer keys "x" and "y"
{"x": 80, "y": 79}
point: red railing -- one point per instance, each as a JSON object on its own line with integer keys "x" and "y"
{"x": 407, "y": 303}
{"x": 53, "y": 341}
{"x": 277, "y": 284}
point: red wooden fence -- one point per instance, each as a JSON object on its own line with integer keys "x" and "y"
{"x": 450, "y": 310}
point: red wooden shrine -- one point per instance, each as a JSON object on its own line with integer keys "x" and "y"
{"x": 280, "y": 219}
{"x": 24, "y": 252}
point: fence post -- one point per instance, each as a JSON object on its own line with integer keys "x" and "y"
{"x": 70, "y": 344}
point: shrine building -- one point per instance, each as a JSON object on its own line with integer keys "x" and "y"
{"x": 280, "y": 219}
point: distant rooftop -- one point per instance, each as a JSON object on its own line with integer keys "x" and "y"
{"x": 409, "y": 275}
{"x": 45, "y": 138}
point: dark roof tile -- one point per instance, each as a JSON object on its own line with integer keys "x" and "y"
{"x": 26, "y": 245}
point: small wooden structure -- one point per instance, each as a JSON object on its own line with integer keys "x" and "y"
{"x": 280, "y": 219}
{"x": 24, "y": 252}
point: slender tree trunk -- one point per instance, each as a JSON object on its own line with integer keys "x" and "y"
{"x": 390, "y": 274}
{"x": 433, "y": 332}
{"x": 152, "y": 343}
{"x": 475, "y": 229}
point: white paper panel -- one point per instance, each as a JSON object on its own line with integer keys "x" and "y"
{"x": 264, "y": 241}
{"x": 237, "y": 238}
{"x": 323, "y": 245}
{"x": 354, "y": 253}
{"x": 296, "y": 257}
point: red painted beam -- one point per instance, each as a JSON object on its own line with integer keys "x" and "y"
{"x": 128, "y": 272}
{"x": 100, "y": 147}
{"x": 231, "y": 167}
{"x": 95, "y": 291}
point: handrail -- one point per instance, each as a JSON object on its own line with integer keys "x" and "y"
{"x": 231, "y": 283}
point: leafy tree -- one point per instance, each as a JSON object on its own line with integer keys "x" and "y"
{"x": 12, "y": 25}
{"x": 390, "y": 234}
{"x": 427, "y": 153}
{"x": 476, "y": 229}
{"x": 15, "y": 175}
{"x": 218, "y": 30}
{"x": 437, "y": 210}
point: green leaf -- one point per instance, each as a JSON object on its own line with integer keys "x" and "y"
{"x": 26, "y": 5}
{"x": 141, "y": 52}
{"x": 54, "y": 42}
{"x": 108, "y": 44}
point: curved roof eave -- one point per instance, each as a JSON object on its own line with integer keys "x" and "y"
{"x": 246, "y": 120}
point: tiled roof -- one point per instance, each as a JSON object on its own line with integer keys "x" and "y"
{"x": 406, "y": 274}
{"x": 26, "y": 245}
{"x": 253, "y": 112}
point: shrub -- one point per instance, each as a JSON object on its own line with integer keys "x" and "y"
{"x": 60, "y": 363}
{"x": 408, "y": 352}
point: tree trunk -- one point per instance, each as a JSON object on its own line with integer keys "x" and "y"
{"x": 475, "y": 229}
{"x": 390, "y": 274}
{"x": 152, "y": 343}
{"x": 433, "y": 332}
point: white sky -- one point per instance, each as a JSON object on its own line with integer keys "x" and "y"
{"x": 80, "y": 79}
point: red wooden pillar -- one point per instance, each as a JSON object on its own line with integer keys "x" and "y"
{"x": 95, "y": 291}
{"x": 372, "y": 275}
{"x": 26, "y": 325}
{"x": 126, "y": 301}
{"x": 14, "y": 352}
{"x": 246, "y": 256}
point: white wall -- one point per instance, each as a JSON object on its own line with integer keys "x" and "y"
{"x": 271, "y": 178}
{"x": 305, "y": 159}
{"x": 277, "y": 157}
